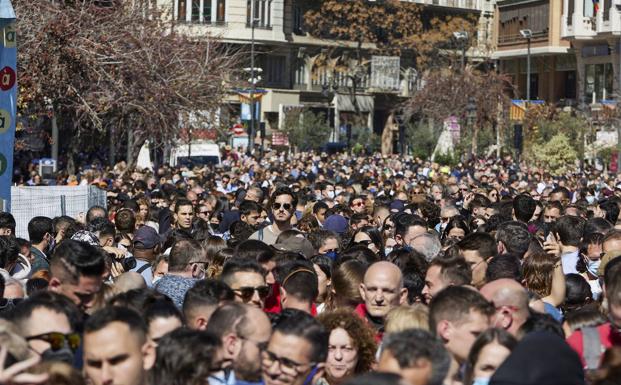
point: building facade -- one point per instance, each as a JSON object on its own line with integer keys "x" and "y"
{"x": 287, "y": 56}
{"x": 553, "y": 67}
{"x": 594, "y": 30}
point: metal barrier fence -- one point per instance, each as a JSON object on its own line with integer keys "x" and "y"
{"x": 51, "y": 201}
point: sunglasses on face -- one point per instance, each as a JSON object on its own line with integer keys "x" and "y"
{"x": 286, "y": 206}
{"x": 246, "y": 293}
{"x": 358, "y": 204}
{"x": 59, "y": 340}
{"x": 366, "y": 242}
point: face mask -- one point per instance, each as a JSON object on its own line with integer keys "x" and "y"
{"x": 593, "y": 266}
{"x": 62, "y": 355}
{"x": 590, "y": 199}
{"x": 331, "y": 194}
{"x": 387, "y": 250}
{"x": 373, "y": 190}
{"x": 155, "y": 279}
{"x": 332, "y": 255}
{"x": 408, "y": 248}
{"x": 481, "y": 381}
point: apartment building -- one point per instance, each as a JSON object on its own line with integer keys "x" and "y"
{"x": 553, "y": 64}
{"x": 286, "y": 54}
{"x": 594, "y": 30}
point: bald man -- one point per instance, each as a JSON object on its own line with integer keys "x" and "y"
{"x": 381, "y": 290}
{"x": 510, "y": 300}
{"x": 129, "y": 281}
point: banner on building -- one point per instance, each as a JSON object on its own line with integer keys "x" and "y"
{"x": 385, "y": 72}
{"x": 8, "y": 95}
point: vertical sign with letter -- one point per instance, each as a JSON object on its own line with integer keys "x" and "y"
{"x": 8, "y": 96}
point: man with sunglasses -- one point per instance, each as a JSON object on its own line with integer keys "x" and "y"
{"x": 48, "y": 322}
{"x": 296, "y": 352}
{"x": 244, "y": 331}
{"x": 247, "y": 280}
{"x": 282, "y": 202}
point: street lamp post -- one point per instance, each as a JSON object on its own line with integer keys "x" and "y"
{"x": 528, "y": 35}
{"x": 253, "y": 88}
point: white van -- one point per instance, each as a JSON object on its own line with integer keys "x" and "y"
{"x": 195, "y": 153}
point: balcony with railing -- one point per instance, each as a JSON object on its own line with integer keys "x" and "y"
{"x": 465, "y": 4}
{"x": 321, "y": 79}
{"x": 517, "y": 38}
{"x": 581, "y": 19}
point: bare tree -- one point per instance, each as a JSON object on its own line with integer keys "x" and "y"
{"x": 446, "y": 93}
{"x": 117, "y": 67}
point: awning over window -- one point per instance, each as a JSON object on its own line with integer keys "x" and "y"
{"x": 345, "y": 103}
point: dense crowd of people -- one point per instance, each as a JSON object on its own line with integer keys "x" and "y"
{"x": 315, "y": 269}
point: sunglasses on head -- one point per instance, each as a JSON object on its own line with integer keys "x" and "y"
{"x": 246, "y": 293}
{"x": 59, "y": 340}
{"x": 366, "y": 242}
{"x": 286, "y": 206}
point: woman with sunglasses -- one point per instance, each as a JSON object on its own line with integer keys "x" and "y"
{"x": 388, "y": 234}
{"x": 371, "y": 238}
{"x": 493, "y": 195}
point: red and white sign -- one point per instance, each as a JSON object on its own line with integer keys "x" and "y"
{"x": 238, "y": 129}
{"x": 280, "y": 139}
